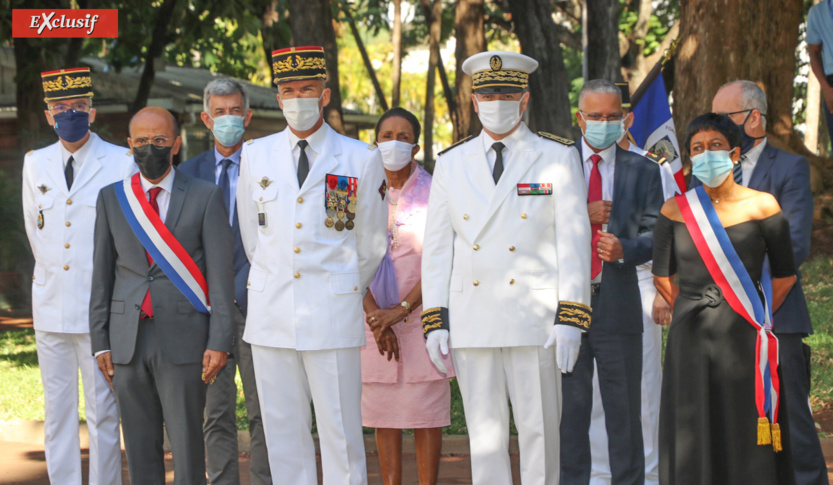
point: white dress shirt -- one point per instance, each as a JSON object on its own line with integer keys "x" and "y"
{"x": 749, "y": 160}
{"x": 316, "y": 145}
{"x": 606, "y": 167}
{"x": 79, "y": 156}
{"x": 510, "y": 142}
{"x": 233, "y": 175}
{"x": 163, "y": 200}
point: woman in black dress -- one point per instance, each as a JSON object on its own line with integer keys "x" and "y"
{"x": 708, "y": 415}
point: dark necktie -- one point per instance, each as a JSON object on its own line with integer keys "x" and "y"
{"x": 147, "y": 306}
{"x": 225, "y": 183}
{"x": 69, "y": 172}
{"x": 303, "y": 163}
{"x": 737, "y": 171}
{"x": 594, "y": 193}
{"x": 498, "y": 171}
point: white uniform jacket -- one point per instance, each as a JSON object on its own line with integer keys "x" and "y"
{"x": 307, "y": 280}
{"x": 499, "y": 261}
{"x": 63, "y": 244}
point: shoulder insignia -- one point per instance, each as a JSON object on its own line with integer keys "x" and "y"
{"x": 249, "y": 141}
{"x": 460, "y": 142}
{"x": 129, "y": 153}
{"x": 371, "y": 146}
{"x": 659, "y": 159}
{"x": 29, "y": 153}
{"x": 549, "y": 136}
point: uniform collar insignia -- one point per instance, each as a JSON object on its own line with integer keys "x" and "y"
{"x": 43, "y": 189}
{"x": 265, "y": 182}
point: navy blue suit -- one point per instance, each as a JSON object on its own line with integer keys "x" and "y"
{"x": 787, "y": 177}
{"x": 614, "y": 341}
{"x": 221, "y": 399}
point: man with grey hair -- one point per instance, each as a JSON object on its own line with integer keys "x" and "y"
{"x": 226, "y": 113}
{"x": 623, "y": 201}
{"x": 787, "y": 177}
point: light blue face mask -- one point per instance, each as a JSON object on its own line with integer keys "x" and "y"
{"x": 712, "y": 167}
{"x": 228, "y": 129}
{"x": 601, "y": 134}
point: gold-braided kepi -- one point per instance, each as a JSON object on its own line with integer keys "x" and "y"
{"x": 299, "y": 63}
{"x": 496, "y": 72}
{"x": 67, "y": 83}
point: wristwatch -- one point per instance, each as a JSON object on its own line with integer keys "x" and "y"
{"x": 407, "y": 306}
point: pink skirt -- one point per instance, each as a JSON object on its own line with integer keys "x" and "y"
{"x": 406, "y": 406}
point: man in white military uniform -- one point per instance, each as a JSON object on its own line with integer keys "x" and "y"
{"x": 314, "y": 225}
{"x": 60, "y": 187}
{"x": 655, "y": 312}
{"x": 505, "y": 273}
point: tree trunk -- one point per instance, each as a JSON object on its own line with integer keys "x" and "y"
{"x": 811, "y": 119}
{"x": 713, "y": 51}
{"x": 434, "y": 32}
{"x": 603, "y": 60}
{"x": 311, "y": 22}
{"x": 548, "y": 85}
{"x": 471, "y": 39}
{"x": 274, "y": 30}
{"x": 396, "y": 77}
{"x": 32, "y": 57}
{"x": 635, "y": 64}
{"x": 380, "y": 95}
{"x": 158, "y": 42}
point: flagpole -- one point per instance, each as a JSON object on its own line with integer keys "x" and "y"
{"x": 652, "y": 74}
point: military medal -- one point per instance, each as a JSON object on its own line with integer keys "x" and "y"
{"x": 261, "y": 214}
{"x": 340, "y": 201}
{"x": 43, "y": 189}
{"x": 40, "y": 219}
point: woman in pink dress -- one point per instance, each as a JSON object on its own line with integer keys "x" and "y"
{"x": 401, "y": 388}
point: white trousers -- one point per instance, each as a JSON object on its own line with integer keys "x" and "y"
{"x": 651, "y": 386}
{"x": 287, "y": 380}
{"x": 59, "y": 357}
{"x": 529, "y": 378}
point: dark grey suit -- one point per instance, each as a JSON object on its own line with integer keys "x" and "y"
{"x": 614, "y": 341}
{"x": 221, "y": 401}
{"x": 158, "y": 361}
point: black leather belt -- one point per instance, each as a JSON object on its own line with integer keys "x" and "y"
{"x": 595, "y": 288}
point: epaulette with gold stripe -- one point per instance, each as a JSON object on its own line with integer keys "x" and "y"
{"x": 460, "y": 142}
{"x": 549, "y": 136}
{"x": 573, "y": 314}
{"x": 659, "y": 159}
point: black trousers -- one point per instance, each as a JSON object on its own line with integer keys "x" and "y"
{"x": 807, "y": 457}
{"x": 619, "y": 357}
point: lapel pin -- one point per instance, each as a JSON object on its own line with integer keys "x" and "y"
{"x": 43, "y": 189}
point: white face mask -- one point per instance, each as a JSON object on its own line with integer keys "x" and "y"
{"x": 396, "y": 154}
{"x": 301, "y": 113}
{"x": 500, "y": 116}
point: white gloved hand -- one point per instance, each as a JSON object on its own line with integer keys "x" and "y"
{"x": 437, "y": 342}
{"x": 567, "y": 340}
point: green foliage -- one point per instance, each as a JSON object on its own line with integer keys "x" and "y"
{"x": 818, "y": 288}
{"x": 21, "y": 392}
{"x": 665, "y": 13}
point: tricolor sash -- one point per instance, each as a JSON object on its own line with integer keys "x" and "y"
{"x": 728, "y": 272}
{"x": 158, "y": 241}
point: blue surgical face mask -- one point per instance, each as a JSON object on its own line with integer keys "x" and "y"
{"x": 601, "y": 134}
{"x": 71, "y": 125}
{"x": 228, "y": 129}
{"x": 712, "y": 167}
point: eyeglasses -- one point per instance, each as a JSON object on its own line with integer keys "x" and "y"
{"x": 157, "y": 141}
{"x": 598, "y": 117}
{"x": 743, "y": 111}
{"x": 79, "y": 106}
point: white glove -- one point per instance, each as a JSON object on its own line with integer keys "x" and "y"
{"x": 437, "y": 342}
{"x": 567, "y": 340}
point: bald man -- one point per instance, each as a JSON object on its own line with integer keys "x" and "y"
{"x": 161, "y": 305}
